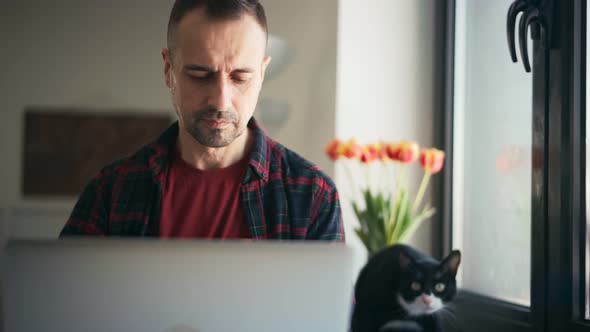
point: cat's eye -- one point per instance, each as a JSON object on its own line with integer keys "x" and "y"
{"x": 416, "y": 286}
{"x": 439, "y": 287}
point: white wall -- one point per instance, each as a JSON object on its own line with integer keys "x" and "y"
{"x": 66, "y": 53}
{"x": 385, "y": 86}
{"x": 309, "y": 82}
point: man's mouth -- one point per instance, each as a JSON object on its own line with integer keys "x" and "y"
{"x": 217, "y": 124}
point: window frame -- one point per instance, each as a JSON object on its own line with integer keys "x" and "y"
{"x": 558, "y": 227}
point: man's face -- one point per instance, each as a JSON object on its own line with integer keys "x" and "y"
{"x": 215, "y": 75}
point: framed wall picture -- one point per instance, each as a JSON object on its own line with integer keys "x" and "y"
{"x": 63, "y": 149}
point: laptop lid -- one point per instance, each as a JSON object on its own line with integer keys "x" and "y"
{"x": 176, "y": 286}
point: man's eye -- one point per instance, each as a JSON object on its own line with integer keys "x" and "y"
{"x": 200, "y": 78}
{"x": 240, "y": 79}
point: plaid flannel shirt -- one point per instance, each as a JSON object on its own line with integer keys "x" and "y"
{"x": 284, "y": 196}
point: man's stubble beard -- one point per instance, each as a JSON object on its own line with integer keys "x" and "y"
{"x": 211, "y": 137}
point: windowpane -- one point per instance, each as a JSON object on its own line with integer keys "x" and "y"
{"x": 492, "y": 155}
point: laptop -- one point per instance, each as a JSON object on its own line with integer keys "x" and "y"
{"x": 176, "y": 286}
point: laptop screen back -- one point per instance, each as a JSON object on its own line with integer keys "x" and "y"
{"x": 176, "y": 286}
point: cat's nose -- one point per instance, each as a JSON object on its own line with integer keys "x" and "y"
{"x": 427, "y": 300}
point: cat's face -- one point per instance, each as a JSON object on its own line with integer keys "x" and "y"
{"x": 427, "y": 285}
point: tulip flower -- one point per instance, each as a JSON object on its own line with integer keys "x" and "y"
{"x": 335, "y": 149}
{"x": 352, "y": 149}
{"x": 369, "y": 154}
{"x": 404, "y": 152}
{"x": 392, "y": 151}
{"x": 389, "y": 214}
{"x": 382, "y": 154}
{"x": 374, "y": 150}
{"x": 432, "y": 160}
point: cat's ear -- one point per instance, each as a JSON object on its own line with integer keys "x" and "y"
{"x": 404, "y": 259}
{"x": 451, "y": 263}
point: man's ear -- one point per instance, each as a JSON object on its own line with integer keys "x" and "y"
{"x": 265, "y": 63}
{"x": 167, "y": 68}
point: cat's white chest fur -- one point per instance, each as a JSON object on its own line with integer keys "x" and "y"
{"x": 424, "y": 304}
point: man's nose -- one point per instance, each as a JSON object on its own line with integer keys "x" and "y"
{"x": 221, "y": 95}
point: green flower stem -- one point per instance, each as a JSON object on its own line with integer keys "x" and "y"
{"x": 401, "y": 175}
{"x": 421, "y": 191}
{"x": 393, "y": 223}
{"x": 390, "y": 185}
{"x": 350, "y": 179}
{"x": 359, "y": 169}
{"x": 367, "y": 169}
{"x": 384, "y": 187}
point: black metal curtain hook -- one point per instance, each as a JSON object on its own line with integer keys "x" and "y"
{"x": 531, "y": 17}
{"x": 516, "y": 7}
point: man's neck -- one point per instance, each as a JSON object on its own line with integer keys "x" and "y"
{"x": 206, "y": 158}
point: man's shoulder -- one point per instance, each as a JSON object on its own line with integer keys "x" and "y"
{"x": 149, "y": 159}
{"x": 136, "y": 163}
{"x": 296, "y": 167}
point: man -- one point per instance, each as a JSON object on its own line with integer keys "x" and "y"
{"x": 214, "y": 173}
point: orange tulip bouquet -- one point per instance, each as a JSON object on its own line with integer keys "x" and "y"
{"x": 387, "y": 212}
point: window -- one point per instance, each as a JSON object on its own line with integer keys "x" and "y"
{"x": 492, "y": 156}
{"x": 520, "y": 184}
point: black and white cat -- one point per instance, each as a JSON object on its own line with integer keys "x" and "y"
{"x": 401, "y": 289}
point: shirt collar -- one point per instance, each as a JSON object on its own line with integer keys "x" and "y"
{"x": 259, "y": 157}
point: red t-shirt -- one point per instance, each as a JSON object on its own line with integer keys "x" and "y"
{"x": 203, "y": 204}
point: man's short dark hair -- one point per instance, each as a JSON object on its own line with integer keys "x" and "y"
{"x": 216, "y": 10}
